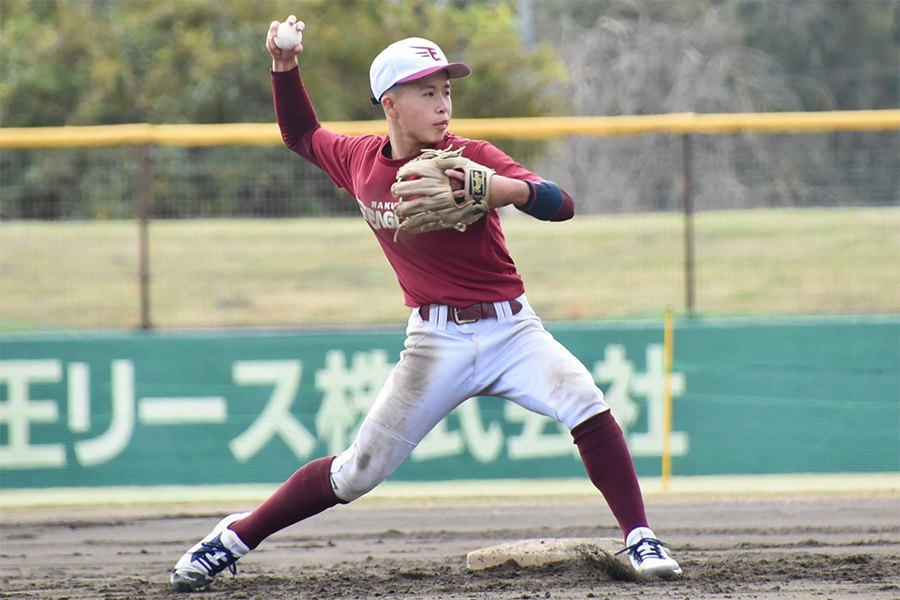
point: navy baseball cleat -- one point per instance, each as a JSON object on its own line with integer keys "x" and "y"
{"x": 648, "y": 555}
{"x": 218, "y": 551}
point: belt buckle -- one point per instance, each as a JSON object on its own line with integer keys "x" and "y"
{"x": 457, "y": 320}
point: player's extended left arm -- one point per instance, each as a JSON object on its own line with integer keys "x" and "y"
{"x": 542, "y": 200}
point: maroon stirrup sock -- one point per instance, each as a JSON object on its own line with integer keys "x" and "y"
{"x": 608, "y": 462}
{"x": 306, "y": 493}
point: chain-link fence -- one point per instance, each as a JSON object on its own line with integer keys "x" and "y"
{"x": 252, "y": 235}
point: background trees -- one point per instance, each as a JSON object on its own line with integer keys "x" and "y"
{"x": 705, "y": 56}
{"x": 93, "y": 62}
{"x": 80, "y": 62}
{"x": 89, "y": 62}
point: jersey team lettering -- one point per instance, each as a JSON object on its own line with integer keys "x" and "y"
{"x": 380, "y": 215}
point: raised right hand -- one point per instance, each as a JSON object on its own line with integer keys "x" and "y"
{"x": 283, "y": 60}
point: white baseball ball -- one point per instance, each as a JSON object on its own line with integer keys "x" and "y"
{"x": 288, "y": 36}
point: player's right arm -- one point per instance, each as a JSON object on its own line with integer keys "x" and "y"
{"x": 300, "y": 128}
{"x": 296, "y": 116}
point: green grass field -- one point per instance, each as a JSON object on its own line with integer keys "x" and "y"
{"x": 221, "y": 273}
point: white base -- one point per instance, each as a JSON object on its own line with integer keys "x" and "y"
{"x": 538, "y": 552}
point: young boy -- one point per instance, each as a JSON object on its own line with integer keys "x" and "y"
{"x": 470, "y": 332}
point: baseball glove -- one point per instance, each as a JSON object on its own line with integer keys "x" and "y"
{"x": 426, "y": 192}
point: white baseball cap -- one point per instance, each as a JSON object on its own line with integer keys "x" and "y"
{"x": 409, "y": 60}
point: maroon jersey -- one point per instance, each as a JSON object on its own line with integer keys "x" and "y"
{"x": 439, "y": 267}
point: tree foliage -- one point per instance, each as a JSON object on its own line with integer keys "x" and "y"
{"x": 80, "y": 62}
{"x": 650, "y": 56}
{"x": 629, "y": 57}
{"x": 835, "y": 54}
{"x": 93, "y": 62}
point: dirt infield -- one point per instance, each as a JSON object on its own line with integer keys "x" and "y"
{"x": 837, "y": 546}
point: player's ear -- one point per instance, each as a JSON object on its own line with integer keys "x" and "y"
{"x": 389, "y": 103}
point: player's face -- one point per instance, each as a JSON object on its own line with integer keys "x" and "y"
{"x": 424, "y": 108}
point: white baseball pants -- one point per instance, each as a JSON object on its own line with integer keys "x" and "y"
{"x": 444, "y": 364}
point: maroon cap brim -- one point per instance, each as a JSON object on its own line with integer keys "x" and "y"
{"x": 454, "y": 70}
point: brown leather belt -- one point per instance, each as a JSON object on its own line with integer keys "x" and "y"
{"x": 471, "y": 314}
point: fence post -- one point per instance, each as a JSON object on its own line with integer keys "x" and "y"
{"x": 687, "y": 206}
{"x": 145, "y": 199}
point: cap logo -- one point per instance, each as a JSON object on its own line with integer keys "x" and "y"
{"x": 426, "y": 52}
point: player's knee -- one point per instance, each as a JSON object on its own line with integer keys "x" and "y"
{"x": 371, "y": 458}
{"x": 351, "y": 478}
{"x": 355, "y": 474}
{"x": 580, "y": 401}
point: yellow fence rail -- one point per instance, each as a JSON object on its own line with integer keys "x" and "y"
{"x": 531, "y": 128}
{"x": 144, "y": 137}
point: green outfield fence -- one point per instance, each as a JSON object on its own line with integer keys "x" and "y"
{"x": 172, "y": 226}
{"x": 812, "y": 395}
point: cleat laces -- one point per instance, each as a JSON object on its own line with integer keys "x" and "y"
{"x": 644, "y": 549}
{"x": 215, "y": 557}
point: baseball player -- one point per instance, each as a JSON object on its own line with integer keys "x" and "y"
{"x": 431, "y": 199}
